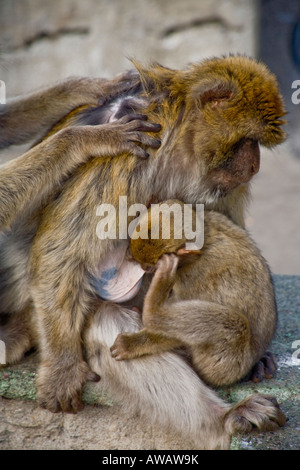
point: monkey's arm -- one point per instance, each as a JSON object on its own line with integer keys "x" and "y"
{"x": 132, "y": 345}
{"x": 31, "y": 177}
{"x": 24, "y": 118}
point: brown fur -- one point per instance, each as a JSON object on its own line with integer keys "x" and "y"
{"x": 212, "y": 115}
{"x": 29, "y": 180}
{"x": 220, "y": 304}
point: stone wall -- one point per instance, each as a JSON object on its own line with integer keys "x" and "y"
{"x": 43, "y": 41}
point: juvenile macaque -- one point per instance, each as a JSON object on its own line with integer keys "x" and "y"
{"x": 218, "y": 301}
{"x": 213, "y": 117}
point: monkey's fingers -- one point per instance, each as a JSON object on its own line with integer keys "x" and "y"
{"x": 270, "y": 363}
{"x": 265, "y": 368}
{"x": 258, "y": 372}
{"x": 144, "y": 139}
{"x": 139, "y": 122}
{"x": 118, "y": 354}
{"x": 136, "y": 129}
{"x": 54, "y": 406}
{"x": 72, "y": 404}
{"x": 138, "y": 117}
{"x": 136, "y": 150}
{"x": 167, "y": 266}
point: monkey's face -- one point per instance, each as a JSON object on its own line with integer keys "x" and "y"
{"x": 219, "y": 111}
{"x": 236, "y": 170}
{"x": 231, "y": 112}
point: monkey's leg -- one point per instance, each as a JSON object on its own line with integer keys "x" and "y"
{"x": 166, "y": 390}
{"x": 219, "y": 339}
{"x": 163, "y": 388}
{"x": 27, "y": 180}
{"x": 22, "y": 119}
{"x": 60, "y": 318}
{"x": 132, "y": 345}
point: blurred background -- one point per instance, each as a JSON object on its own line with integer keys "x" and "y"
{"x": 42, "y": 41}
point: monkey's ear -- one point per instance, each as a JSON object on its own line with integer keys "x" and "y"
{"x": 214, "y": 93}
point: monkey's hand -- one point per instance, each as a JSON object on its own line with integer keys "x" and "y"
{"x": 123, "y": 136}
{"x": 166, "y": 267}
{"x": 159, "y": 289}
{"x": 59, "y": 388}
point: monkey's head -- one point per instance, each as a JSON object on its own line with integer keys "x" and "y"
{"x": 149, "y": 241}
{"x": 223, "y": 109}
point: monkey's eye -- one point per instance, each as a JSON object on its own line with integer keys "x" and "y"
{"x": 226, "y": 163}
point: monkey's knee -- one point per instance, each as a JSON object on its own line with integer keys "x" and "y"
{"x": 226, "y": 357}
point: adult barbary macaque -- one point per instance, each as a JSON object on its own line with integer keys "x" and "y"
{"x": 214, "y": 115}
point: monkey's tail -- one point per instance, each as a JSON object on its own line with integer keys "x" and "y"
{"x": 161, "y": 387}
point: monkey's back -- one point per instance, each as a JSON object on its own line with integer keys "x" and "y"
{"x": 232, "y": 272}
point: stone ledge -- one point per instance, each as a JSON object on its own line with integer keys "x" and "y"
{"x": 101, "y": 425}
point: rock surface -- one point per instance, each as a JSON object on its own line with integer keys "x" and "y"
{"x": 102, "y": 425}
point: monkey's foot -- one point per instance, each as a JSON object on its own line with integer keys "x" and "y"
{"x": 265, "y": 368}
{"x": 124, "y": 347}
{"x": 59, "y": 388}
{"x": 257, "y": 411}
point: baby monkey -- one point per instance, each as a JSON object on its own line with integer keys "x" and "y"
{"x": 217, "y": 302}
